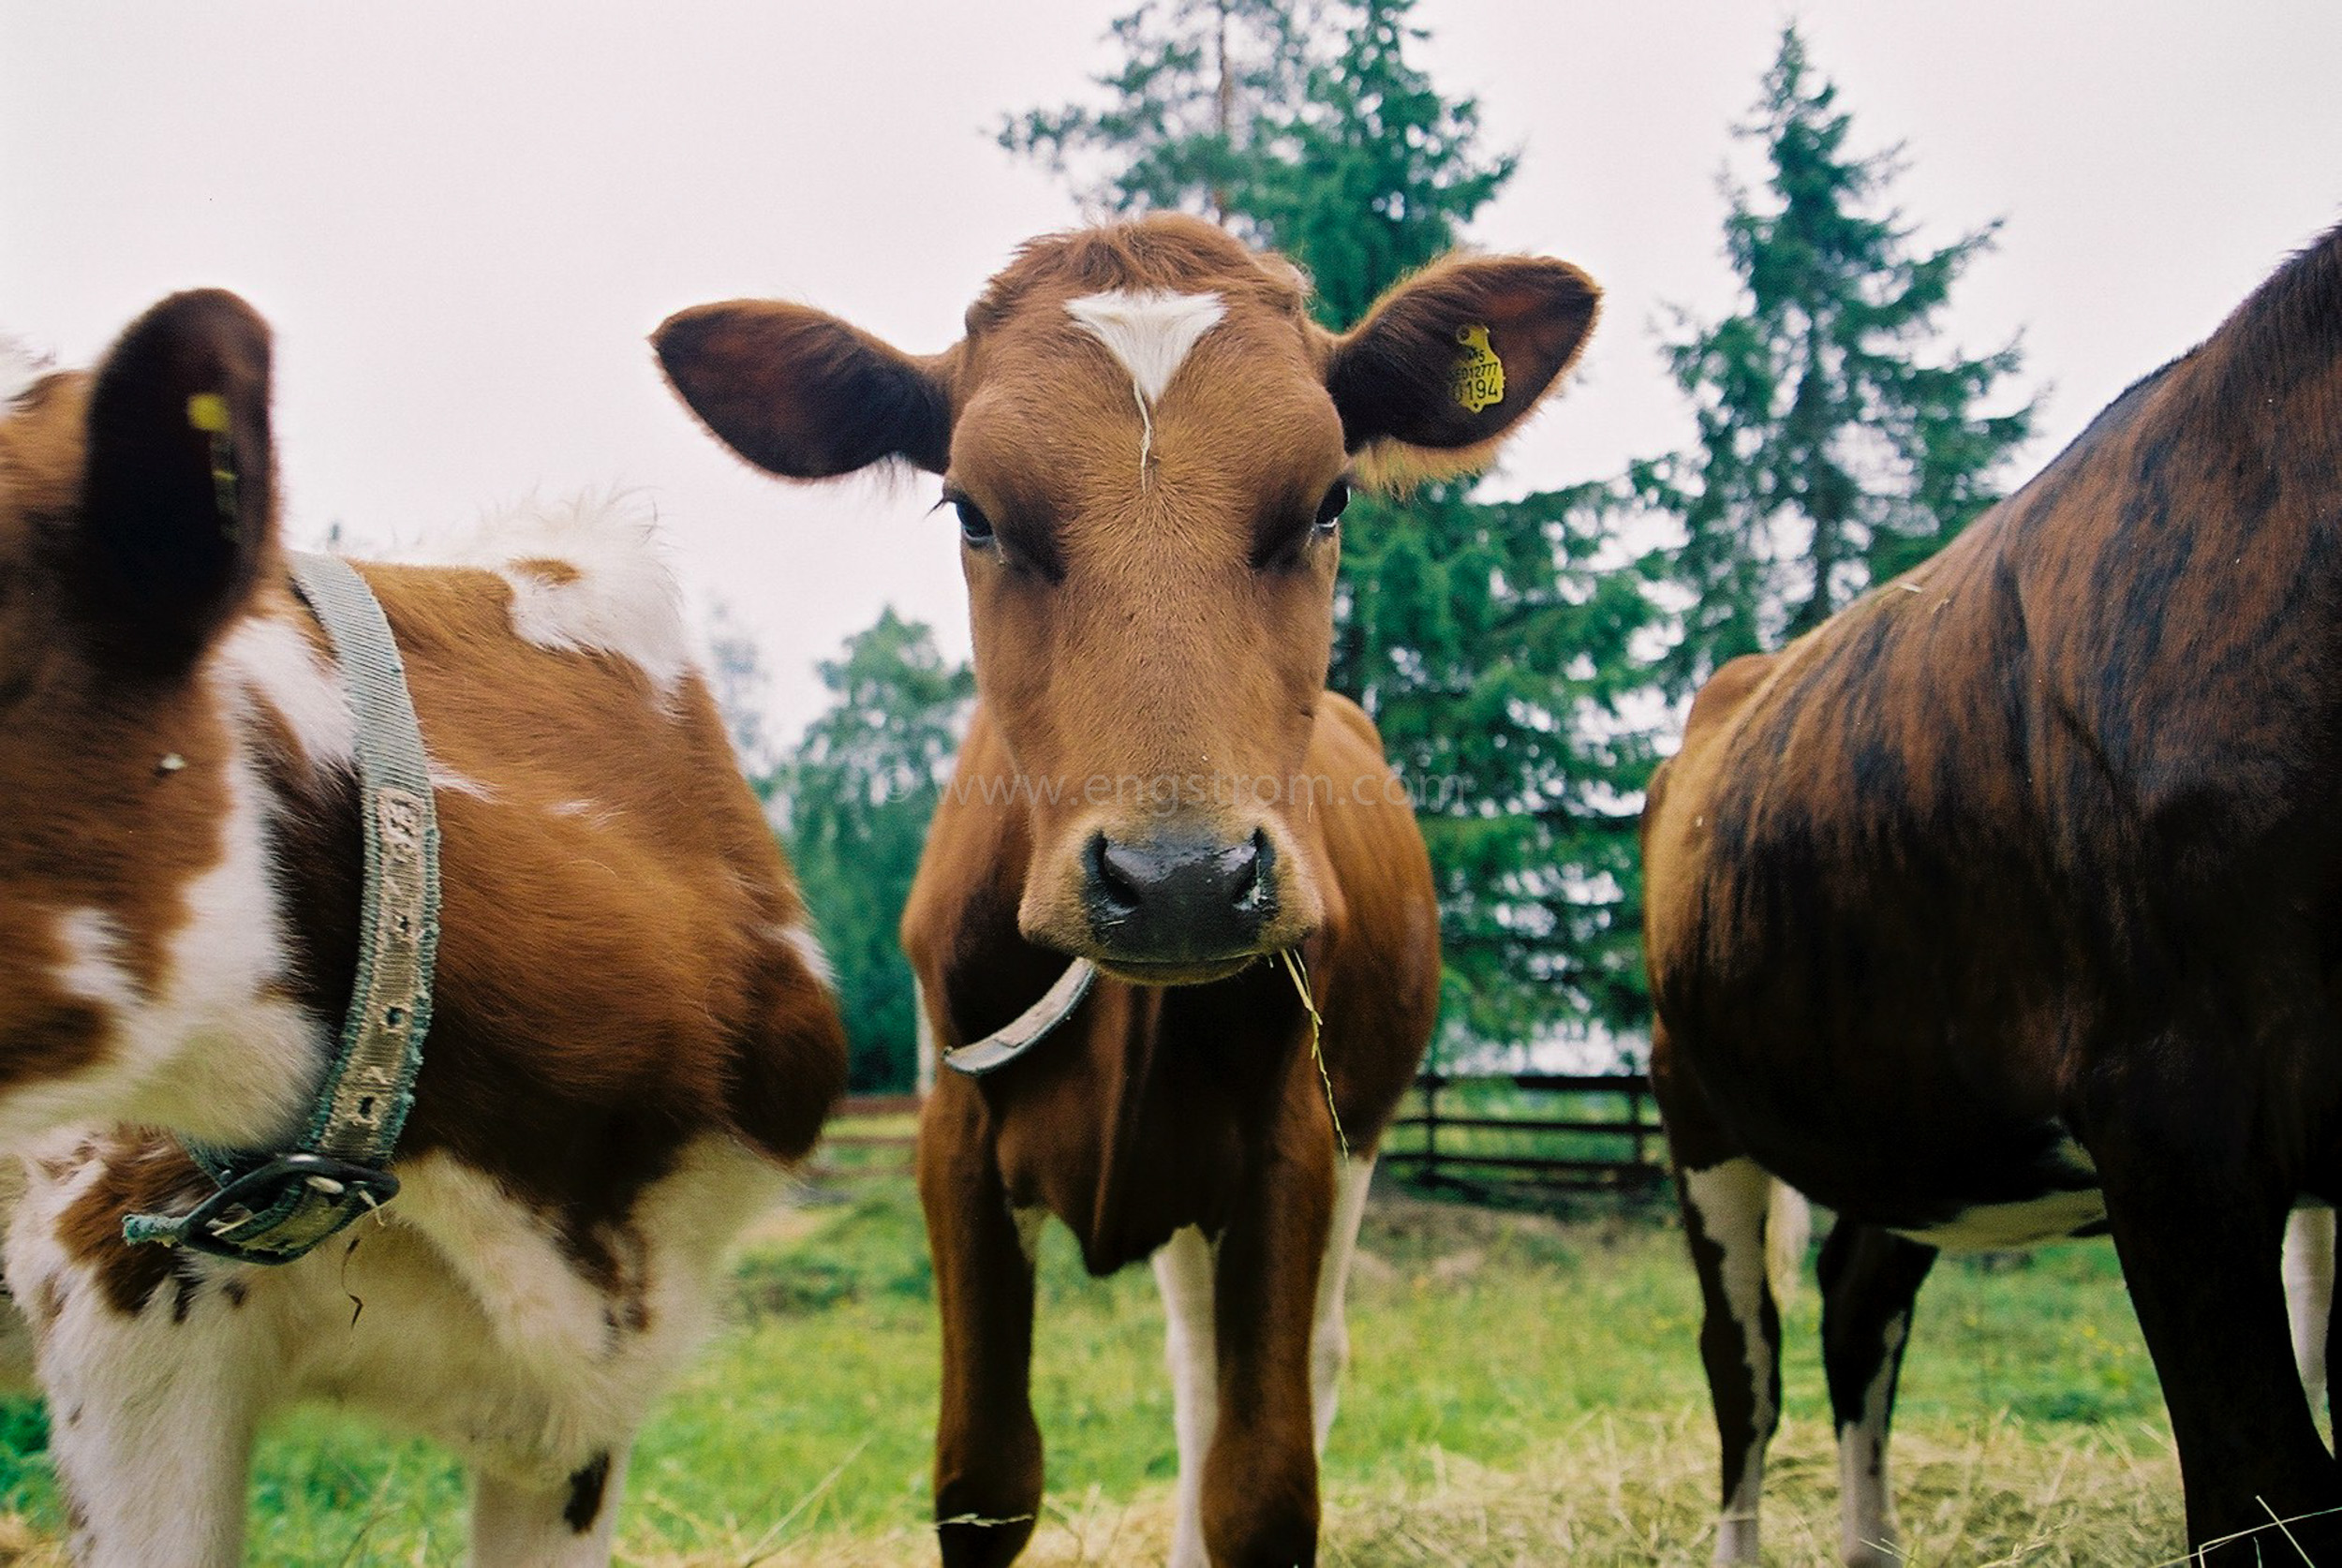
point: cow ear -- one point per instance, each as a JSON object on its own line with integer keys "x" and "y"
{"x": 803, "y": 394}
{"x": 178, "y": 491}
{"x": 1447, "y": 364}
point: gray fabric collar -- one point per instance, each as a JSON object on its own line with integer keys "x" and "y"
{"x": 1030, "y": 1028}
{"x": 275, "y": 1207}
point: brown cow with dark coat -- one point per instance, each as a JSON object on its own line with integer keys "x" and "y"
{"x": 1147, "y": 442}
{"x": 2008, "y": 905}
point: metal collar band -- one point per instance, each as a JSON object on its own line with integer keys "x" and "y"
{"x": 274, "y": 1206}
{"x": 1032, "y": 1027}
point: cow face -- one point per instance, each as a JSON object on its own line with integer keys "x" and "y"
{"x": 137, "y": 520}
{"x": 1148, "y": 444}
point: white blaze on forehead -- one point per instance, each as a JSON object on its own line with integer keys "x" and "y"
{"x": 1150, "y": 333}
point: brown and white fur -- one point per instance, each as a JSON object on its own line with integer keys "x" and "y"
{"x": 628, "y": 1043}
{"x": 1148, "y": 442}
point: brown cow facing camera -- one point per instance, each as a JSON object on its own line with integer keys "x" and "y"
{"x": 627, "y": 1040}
{"x": 1149, "y": 444}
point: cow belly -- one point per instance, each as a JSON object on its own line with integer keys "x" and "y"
{"x": 1963, "y": 1185}
{"x": 2001, "y": 1227}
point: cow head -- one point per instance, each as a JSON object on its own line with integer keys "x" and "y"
{"x": 1149, "y": 444}
{"x": 137, "y": 522}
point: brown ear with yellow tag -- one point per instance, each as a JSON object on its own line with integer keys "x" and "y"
{"x": 1452, "y": 358}
{"x": 177, "y": 506}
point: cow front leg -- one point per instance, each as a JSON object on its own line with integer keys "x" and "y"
{"x": 987, "y": 1446}
{"x": 1329, "y": 1342}
{"x": 152, "y": 1414}
{"x": 1724, "y": 1208}
{"x": 1869, "y": 1279}
{"x": 1184, "y": 1270}
{"x": 2198, "y": 1226}
{"x": 533, "y": 1523}
{"x": 1260, "y": 1475}
{"x": 2309, "y": 1295}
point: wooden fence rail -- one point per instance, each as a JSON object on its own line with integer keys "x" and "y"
{"x": 1478, "y": 1135}
{"x": 1481, "y": 1134}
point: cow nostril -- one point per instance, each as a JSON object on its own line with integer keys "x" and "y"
{"x": 1253, "y": 863}
{"x": 1112, "y": 884}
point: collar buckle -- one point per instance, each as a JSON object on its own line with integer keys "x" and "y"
{"x": 279, "y": 1209}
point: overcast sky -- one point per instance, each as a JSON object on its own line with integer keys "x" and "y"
{"x": 463, "y": 217}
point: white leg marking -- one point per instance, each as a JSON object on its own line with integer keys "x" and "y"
{"x": 2309, "y": 1295}
{"x": 528, "y": 1525}
{"x": 1184, "y": 1270}
{"x": 1731, "y": 1200}
{"x": 1329, "y": 1339}
{"x": 1866, "y": 1512}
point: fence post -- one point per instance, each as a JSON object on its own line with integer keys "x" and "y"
{"x": 1634, "y": 1109}
{"x": 1430, "y": 1130}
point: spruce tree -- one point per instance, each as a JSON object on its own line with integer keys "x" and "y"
{"x": 855, "y": 798}
{"x": 1836, "y": 447}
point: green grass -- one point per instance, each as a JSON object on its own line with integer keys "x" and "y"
{"x": 1485, "y": 1346}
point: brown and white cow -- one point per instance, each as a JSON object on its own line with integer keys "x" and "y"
{"x": 1148, "y": 442}
{"x": 629, "y": 1038}
{"x": 2008, "y": 905}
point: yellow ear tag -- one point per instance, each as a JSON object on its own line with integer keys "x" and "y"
{"x": 1479, "y": 376}
{"x": 208, "y": 411}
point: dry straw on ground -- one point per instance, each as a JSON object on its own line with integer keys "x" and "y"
{"x": 1635, "y": 1492}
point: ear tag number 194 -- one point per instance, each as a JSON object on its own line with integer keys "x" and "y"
{"x": 1479, "y": 378}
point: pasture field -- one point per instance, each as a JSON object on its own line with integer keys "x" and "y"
{"x": 1523, "y": 1391}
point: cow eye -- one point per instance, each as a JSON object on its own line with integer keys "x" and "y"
{"x": 974, "y": 527}
{"x": 1329, "y": 509}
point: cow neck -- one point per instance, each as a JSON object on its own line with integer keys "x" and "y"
{"x": 273, "y": 1206}
{"x": 1119, "y": 1167}
{"x": 1030, "y": 1028}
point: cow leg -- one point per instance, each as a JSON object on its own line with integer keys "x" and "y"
{"x": 1739, "y": 1337}
{"x": 2309, "y": 1295}
{"x": 570, "y": 1523}
{"x": 1869, "y": 1278}
{"x": 2197, "y": 1223}
{"x": 987, "y": 1446}
{"x": 1260, "y": 1474}
{"x": 1183, "y": 1272}
{"x": 1329, "y": 1344}
{"x": 152, "y": 1421}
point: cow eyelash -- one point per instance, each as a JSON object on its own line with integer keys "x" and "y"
{"x": 1329, "y": 509}
{"x": 974, "y": 527}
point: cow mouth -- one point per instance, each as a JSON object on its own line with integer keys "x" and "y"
{"x": 1183, "y": 972}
